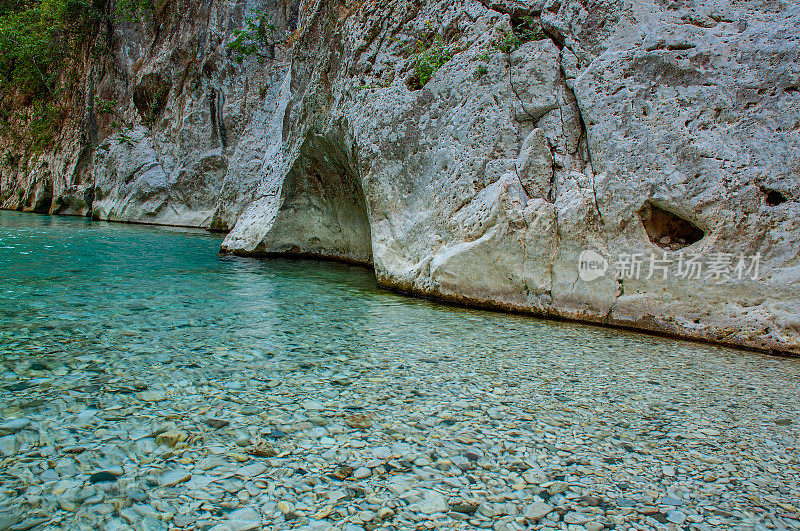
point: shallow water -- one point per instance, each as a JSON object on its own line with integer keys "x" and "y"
{"x": 77, "y": 287}
{"x": 92, "y": 313}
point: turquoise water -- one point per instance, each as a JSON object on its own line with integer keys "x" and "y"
{"x": 73, "y": 287}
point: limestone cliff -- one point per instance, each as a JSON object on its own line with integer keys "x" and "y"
{"x": 663, "y": 136}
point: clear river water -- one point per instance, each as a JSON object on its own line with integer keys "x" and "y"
{"x": 78, "y": 287}
{"x": 148, "y": 382}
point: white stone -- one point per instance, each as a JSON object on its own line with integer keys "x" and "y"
{"x": 537, "y": 510}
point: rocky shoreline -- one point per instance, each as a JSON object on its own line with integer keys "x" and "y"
{"x": 571, "y": 440}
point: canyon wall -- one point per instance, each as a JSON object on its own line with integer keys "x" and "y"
{"x": 626, "y": 162}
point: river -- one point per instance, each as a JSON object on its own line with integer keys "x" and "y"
{"x": 142, "y": 353}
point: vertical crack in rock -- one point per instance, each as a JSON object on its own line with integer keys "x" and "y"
{"x": 514, "y": 90}
{"x": 594, "y": 196}
{"x": 150, "y": 97}
{"x": 216, "y": 101}
{"x": 552, "y": 263}
{"x": 620, "y": 293}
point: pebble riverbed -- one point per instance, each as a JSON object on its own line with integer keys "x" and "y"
{"x": 680, "y": 438}
{"x": 148, "y": 383}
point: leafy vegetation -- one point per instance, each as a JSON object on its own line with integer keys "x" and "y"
{"x": 42, "y": 128}
{"x": 258, "y": 36}
{"x": 110, "y": 108}
{"x": 36, "y": 40}
{"x": 526, "y": 29}
{"x": 35, "y": 37}
{"x": 135, "y": 10}
{"x": 429, "y": 58}
{"x": 507, "y": 42}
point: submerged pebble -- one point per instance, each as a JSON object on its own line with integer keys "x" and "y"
{"x": 472, "y": 441}
{"x": 227, "y": 393}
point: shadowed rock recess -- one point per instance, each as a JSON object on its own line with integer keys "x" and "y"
{"x": 652, "y": 133}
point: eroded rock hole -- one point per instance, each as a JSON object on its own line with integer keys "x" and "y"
{"x": 527, "y": 28}
{"x": 773, "y": 197}
{"x": 667, "y": 229}
{"x": 44, "y": 202}
{"x": 150, "y": 97}
{"x": 413, "y": 83}
{"x": 323, "y": 211}
{"x": 88, "y": 199}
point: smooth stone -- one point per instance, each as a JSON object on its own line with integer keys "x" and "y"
{"x": 172, "y": 437}
{"x": 253, "y": 470}
{"x": 537, "y": 510}
{"x": 558, "y": 487}
{"x": 137, "y": 496}
{"x": 671, "y": 500}
{"x": 341, "y": 379}
{"x": 9, "y": 445}
{"x": 575, "y": 518}
{"x": 103, "y": 476}
{"x": 382, "y": 452}
{"x": 362, "y": 473}
{"x": 216, "y": 423}
{"x": 385, "y": 513}
{"x": 19, "y": 386}
{"x": 152, "y": 396}
{"x": 174, "y": 477}
{"x": 287, "y": 509}
{"x": 13, "y": 426}
{"x": 243, "y": 519}
{"x": 366, "y": 516}
{"x": 676, "y": 517}
{"x": 431, "y": 502}
{"x": 533, "y": 477}
{"x": 312, "y": 405}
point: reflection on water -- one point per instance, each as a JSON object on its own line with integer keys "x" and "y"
{"x": 72, "y": 287}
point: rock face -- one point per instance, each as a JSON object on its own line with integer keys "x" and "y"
{"x": 663, "y": 137}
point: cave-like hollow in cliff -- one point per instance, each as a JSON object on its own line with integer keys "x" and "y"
{"x": 667, "y": 229}
{"x": 323, "y": 212}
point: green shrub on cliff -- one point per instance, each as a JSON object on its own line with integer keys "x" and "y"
{"x": 429, "y": 58}
{"x": 35, "y": 37}
{"x": 525, "y": 30}
{"x": 135, "y": 10}
{"x": 36, "y": 40}
{"x": 258, "y": 36}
